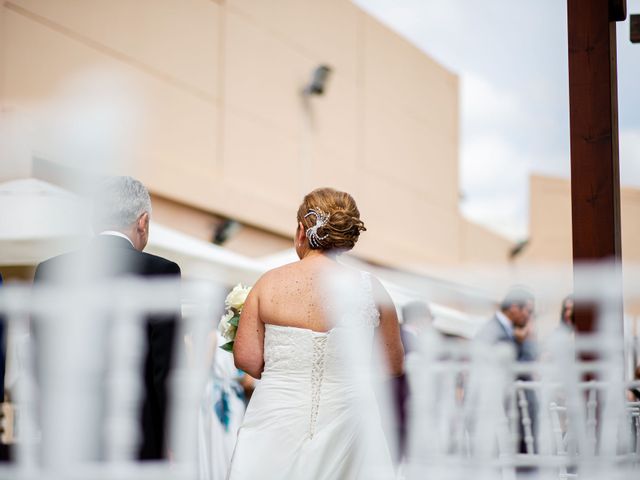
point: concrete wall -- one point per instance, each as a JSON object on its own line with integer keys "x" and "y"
{"x": 550, "y": 222}
{"x": 482, "y": 246}
{"x": 201, "y": 100}
{"x": 200, "y": 224}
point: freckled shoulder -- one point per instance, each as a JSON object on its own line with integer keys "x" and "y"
{"x": 283, "y": 270}
{"x": 276, "y": 275}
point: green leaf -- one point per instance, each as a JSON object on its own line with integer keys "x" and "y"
{"x": 234, "y": 320}
{"x": 227, "y": 347}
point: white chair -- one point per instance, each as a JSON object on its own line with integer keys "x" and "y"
{"x": 79, "y": 408}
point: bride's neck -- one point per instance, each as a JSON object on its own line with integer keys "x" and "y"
{"x": 328, "y": 254}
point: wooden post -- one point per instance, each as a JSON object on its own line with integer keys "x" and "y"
{"x": 634, "y": 28}
{"x": 593, "y": 99}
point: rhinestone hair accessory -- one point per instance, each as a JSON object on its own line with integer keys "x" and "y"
{"x": 312, "y": 232}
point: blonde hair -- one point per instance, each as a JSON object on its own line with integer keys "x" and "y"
{"x": 341, "y": 226}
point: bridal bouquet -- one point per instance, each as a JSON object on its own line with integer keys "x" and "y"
{"x": 229, "y": 322}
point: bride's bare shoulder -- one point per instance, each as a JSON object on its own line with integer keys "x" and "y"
{"x": 298, "y": 270}
{"x": 278, "y": 273}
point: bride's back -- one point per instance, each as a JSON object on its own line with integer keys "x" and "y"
{"x": 301, "y": 294}
{"x": 308, "y": 418}
{"x": 317, "y": 293}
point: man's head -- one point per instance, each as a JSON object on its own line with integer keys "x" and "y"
{"x": 123, "y": 204}
{"x": 518, "y": 306}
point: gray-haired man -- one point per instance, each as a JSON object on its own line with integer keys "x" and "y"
{"x": 511, "y": 324}
{"x": 122, "y": 209}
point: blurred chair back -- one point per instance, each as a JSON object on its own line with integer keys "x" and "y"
{"x": 79, "y": 389}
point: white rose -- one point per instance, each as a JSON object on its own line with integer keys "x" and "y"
{"x": 237, "y": 297}
{"x": 230, "y": 332}
{"x": 224, "y": 327}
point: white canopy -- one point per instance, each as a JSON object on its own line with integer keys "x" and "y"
{"x": 38, "y": 220}
{"x": 200, "y": 259}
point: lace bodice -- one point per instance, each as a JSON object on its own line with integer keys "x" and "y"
{"x": 313, "y": 414}
{"x": 307, "y": 360}
{"x": 292, "y": 350}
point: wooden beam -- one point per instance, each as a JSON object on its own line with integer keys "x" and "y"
{"x": 634, "y": 28}
{"x": 595, "y": 179}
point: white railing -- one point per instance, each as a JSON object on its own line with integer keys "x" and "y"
{"x": 475, "y": 412}
{"x": 470, "y": 412}
{"x": 79, "y": 389}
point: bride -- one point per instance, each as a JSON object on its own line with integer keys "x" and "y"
{"x": 301, "y": 330}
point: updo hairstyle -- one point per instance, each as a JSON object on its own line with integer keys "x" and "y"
{"x": 342, "y": 226}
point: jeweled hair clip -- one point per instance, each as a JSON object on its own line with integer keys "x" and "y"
{"x": 312, "y": 232}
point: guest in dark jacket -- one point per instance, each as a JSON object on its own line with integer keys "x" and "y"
{"x": 122, "y": 212}
{"x": 512, "y": 324}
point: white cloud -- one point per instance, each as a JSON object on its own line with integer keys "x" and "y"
{"x": 490, "y": 163}
{"x": 499, "y": 213}
{"x": 483, "y": 105}
{"x": 523, "y": 119}
{"x": 494, "y": 179}
{"x": 500, "y": 149}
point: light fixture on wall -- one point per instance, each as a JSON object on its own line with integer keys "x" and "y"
{"x": 224, "y": 230}
{"x": 318, "y": 81}
{"x": 518, "y": 248}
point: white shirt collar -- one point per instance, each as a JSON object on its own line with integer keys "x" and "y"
{"x": 117, "y": 234}
{"x": 506, "y": 323}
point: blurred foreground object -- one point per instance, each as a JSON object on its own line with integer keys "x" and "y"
{"x": 78, "y": 410}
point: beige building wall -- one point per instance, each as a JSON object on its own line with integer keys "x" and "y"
{"x": 200, "y": 224}
{"x": 550, "y": 222}
{"x": 550, "y": 241}
{"x": 481, "y": 246}
{"x": 201, "y": 100}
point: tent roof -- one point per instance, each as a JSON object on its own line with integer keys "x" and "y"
{"x": 38, "y": 220}
{"x": 34, "y": 209}
{"x": 200, "y": 259}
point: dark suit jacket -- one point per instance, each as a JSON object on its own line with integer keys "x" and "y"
{"x": 493, "y": 332}
{"x": 112, "y": 256}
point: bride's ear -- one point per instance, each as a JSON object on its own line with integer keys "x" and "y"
{"x": 300, "y": 234}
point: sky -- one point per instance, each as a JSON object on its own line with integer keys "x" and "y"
{"x": 511, "y": 57}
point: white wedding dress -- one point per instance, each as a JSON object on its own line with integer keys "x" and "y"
{"x": 313, "y": 415}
